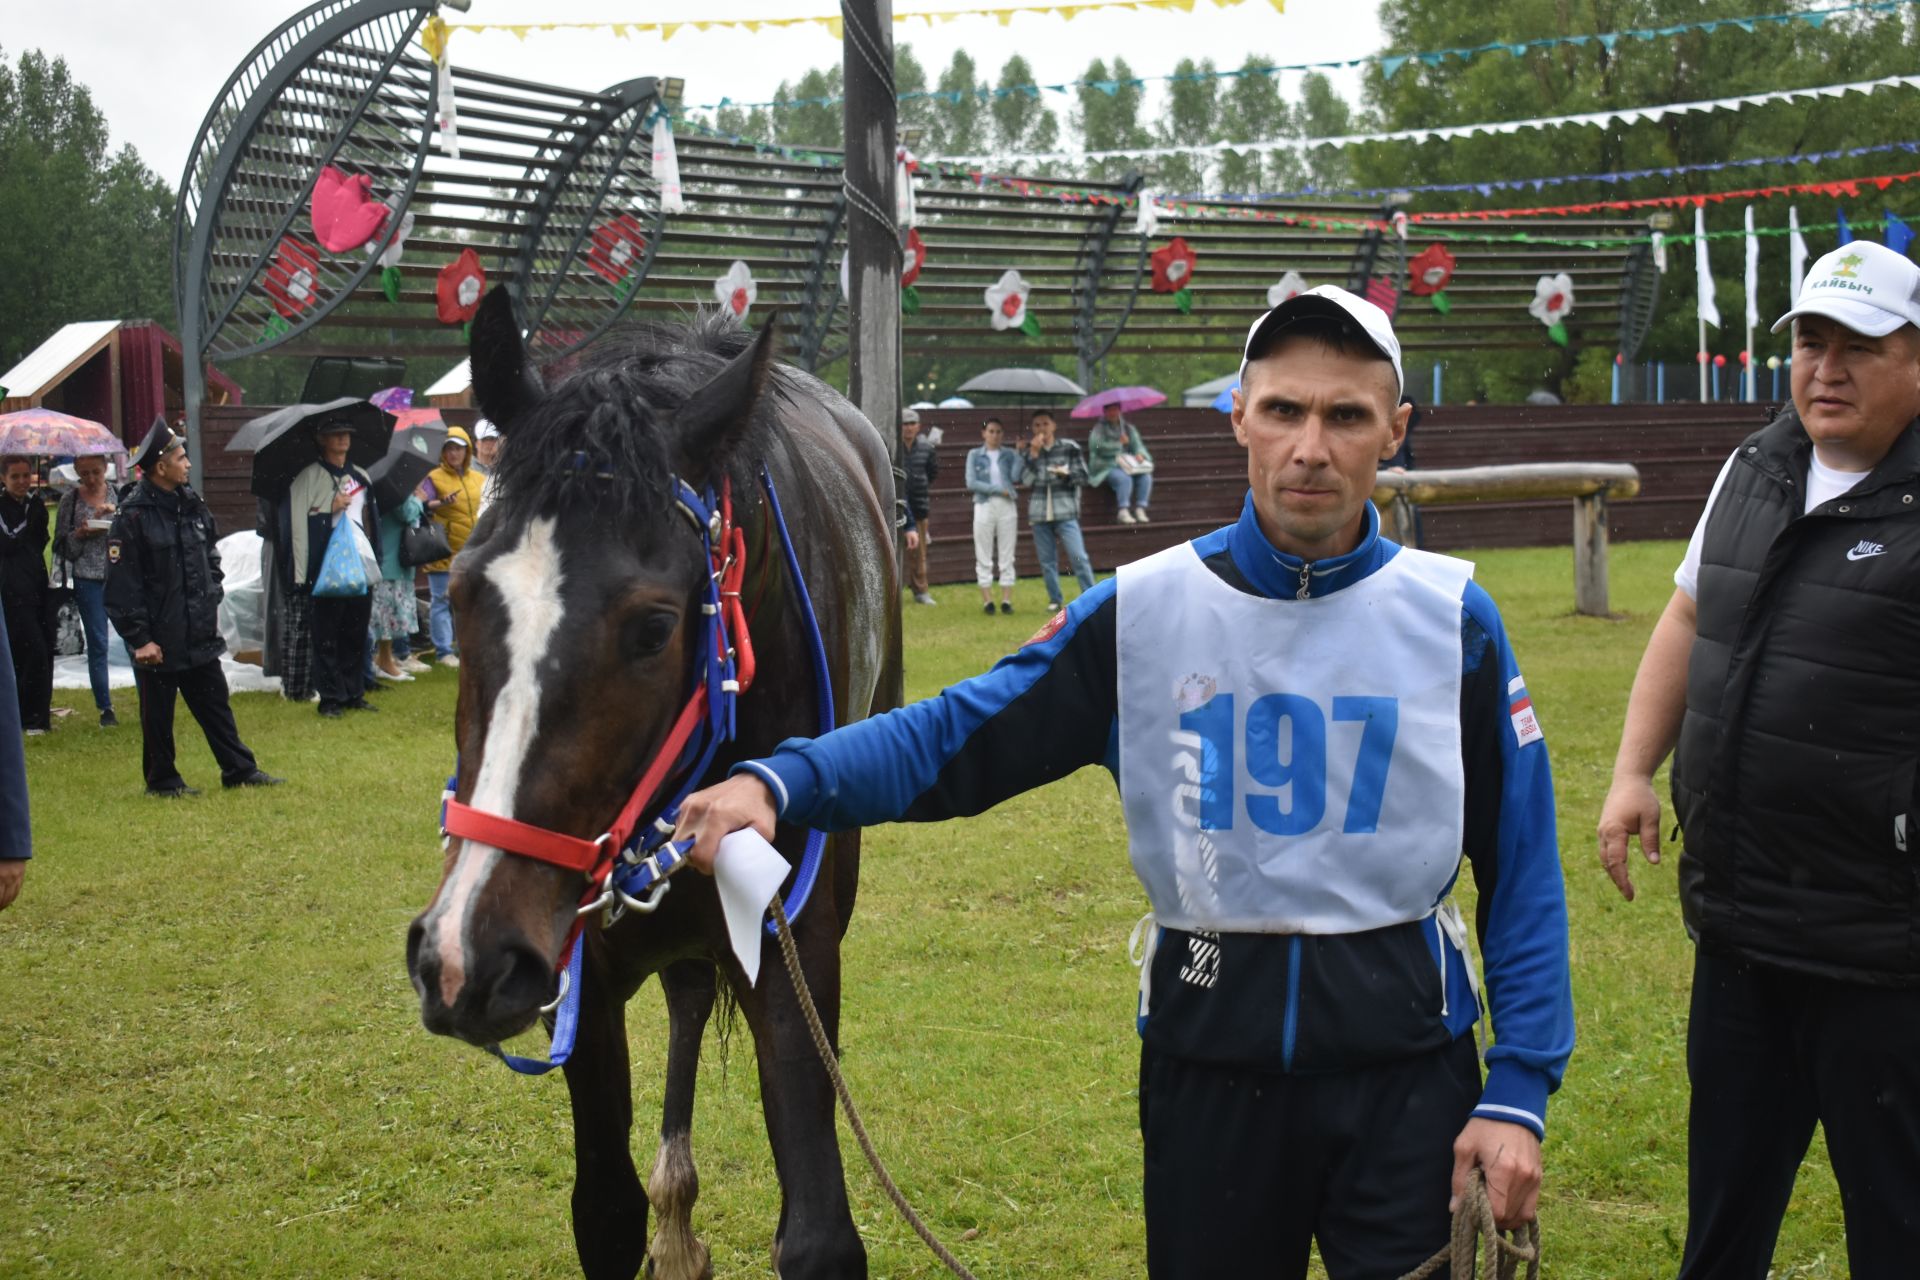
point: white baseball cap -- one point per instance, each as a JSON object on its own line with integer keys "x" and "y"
{"x": 485, "y": 430}
{"x": 1331, "y": 301}
{"x": 1865, "y": 286}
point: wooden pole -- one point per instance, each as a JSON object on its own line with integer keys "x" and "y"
{"x": 1590, "y": 554}
{"x": 873, "y": 241}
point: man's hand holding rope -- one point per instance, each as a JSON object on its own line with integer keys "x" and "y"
{"x": 1509, "y": 1157}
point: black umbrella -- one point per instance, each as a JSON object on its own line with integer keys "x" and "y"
{"x": 283, "y": 441}
{"x": 414, "y": 452}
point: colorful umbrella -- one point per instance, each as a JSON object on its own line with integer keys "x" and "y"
{"x": 44, "y": 433}
{"x": 1128, "y": 398}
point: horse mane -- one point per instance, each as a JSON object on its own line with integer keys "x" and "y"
{"x": 603, "y": 437}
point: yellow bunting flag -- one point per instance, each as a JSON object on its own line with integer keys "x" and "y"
{"x": 434, "y": 32}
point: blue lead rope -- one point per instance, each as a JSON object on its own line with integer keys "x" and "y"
{"x": 651, "y": 854}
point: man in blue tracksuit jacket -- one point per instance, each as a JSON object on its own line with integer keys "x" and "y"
{"x": 1309, "y": 725}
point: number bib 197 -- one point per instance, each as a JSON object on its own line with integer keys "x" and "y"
{"x": 1291, "y": 766}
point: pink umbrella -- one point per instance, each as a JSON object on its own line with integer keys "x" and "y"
{"x": 1128, "y": 398}
{"x": 44, "y": 433}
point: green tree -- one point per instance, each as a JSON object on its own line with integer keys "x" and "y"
{"x": 1192, "y": 116}
{"x": 1021, "y": 120}
{"x": 909, "y": 77}
{"x": 88, "y": 232}
{"x": 1107, "y": 117}
{"x": 1252, "y": 110}
{"x": 959, "y": 123}
{"x": 809, "y": 114}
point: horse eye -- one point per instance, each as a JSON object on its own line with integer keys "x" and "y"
{"x": 649, "y": 633}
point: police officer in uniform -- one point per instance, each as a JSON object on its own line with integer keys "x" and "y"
{"x": 1311, "y": 729}
{"x": 163, "y": 597}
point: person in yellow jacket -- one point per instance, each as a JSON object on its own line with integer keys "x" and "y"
{"x": 452, "y": 494}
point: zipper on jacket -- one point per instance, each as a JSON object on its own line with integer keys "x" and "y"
{"x": 1306, "y": 581}
{"x": 1291, "y": 1025}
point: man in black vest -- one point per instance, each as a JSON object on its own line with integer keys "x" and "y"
{"x": 1785, "y": 671}
{"x": 163, "y": 597}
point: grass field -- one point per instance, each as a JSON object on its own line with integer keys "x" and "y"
{"x": 211, "y": 1062}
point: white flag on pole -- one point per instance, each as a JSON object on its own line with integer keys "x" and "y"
{"x": 1753, "y": 274}
{"x": 1796, "y": 254}
{"x": 1708, "y": 311}
{"x": 666, "y": 165}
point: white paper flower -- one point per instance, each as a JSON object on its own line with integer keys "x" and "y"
{"x": 1007, "y": 301}
{"x": 469, "y": 292}
{"x": 736, "y": 290}
{"x": 1552, "y": 299}
{"x": 1291, "y": 285}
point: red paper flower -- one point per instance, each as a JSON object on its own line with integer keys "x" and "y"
{"x": 459, "y": 288}
{"x": 345, "y": 216}
{"x": 1430, "y": 271}
{"x": 617, "y": 249}
{"x": 912, "y": 260}
{"x": 292, "y": 278}
{"x": 1173, "y": 265}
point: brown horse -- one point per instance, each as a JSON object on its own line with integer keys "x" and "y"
{"x": 577, "y": 607}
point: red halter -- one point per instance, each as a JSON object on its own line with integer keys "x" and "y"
{"x": 594, "y": 858}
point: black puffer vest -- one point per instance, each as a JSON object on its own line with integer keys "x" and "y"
{"x": 1794, "y": 781}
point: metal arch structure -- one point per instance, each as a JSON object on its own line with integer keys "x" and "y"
{"x": 1089, "y": 272}
{"x": 543, "y": 173}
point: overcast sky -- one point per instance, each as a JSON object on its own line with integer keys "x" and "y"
{"x": 154, "y": 65}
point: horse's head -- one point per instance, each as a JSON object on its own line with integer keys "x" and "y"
{"x": 577, "y": 609}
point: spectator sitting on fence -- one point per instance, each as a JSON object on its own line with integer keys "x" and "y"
{"x": 1117, "y": 457}
{"x": 992, "y": 475}
{"x": 24, "y": 593}
{"x": 920, "y": 460}
{"x": 80, "y": 536}
{"x": 1056, "y": 472}
{"x": 452, "y": 495}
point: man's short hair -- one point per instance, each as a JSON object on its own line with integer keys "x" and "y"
{"x": 1336, "y": 333}
{"x": 993, "y": 422}
{"x": 7, "y": 463}
{"x": 1041, "y": 413}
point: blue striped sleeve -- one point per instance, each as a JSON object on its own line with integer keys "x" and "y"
{"x": 1039, "y": 714}
{"x": 1529, "y": 989}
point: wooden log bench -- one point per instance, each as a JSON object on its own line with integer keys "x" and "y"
{"x": 1590, "y": 484}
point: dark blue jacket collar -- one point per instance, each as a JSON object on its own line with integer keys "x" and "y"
{"x": 1275, "y": 573}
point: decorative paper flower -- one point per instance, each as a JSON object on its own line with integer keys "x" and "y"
{"x": 1552, "y": 304}
{"x": 1291, "y": 285}
{"x": 736, "y": 290}
{"x": 1007, "y": 304}
{"x": 1552, "y": 301}
{"x": 912, "y": 258}
{"x": 617, "y": 249}
{"x": 1428, "y": 274}
{"x": 1430, "y": 270}
{"x": 1173, "y": 265}
{"x": 344, "y": 215}
{"x": 458, "y": 289}
{"x": 292, "y": 277}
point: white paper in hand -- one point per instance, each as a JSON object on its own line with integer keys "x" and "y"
{"x": 748, "y": 872}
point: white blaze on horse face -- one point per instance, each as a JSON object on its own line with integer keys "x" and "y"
{"x": 528, "y": 580}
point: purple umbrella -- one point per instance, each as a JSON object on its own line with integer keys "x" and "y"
{"x": 1128, "y": 398}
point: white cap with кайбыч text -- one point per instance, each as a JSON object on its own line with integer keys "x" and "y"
{"x": 1332, "y": 302}
{"x": 1865, "y": 286}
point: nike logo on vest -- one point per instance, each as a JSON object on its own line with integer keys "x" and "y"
{"x": 1866, "y": 550}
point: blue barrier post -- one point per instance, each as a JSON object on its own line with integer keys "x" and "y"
{"x": 1436, "y": 381}
{"x": 1616, "y": 378}
{"x": 1660, "y": 382}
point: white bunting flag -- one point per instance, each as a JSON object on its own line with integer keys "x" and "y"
{"x": 1796, "y": 256}
{"x": 666, "y": 166}
{"x": 1753, "y": 274}
{"x": 1708, "y": 311}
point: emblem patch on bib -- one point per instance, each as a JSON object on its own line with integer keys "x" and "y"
{"x": 1526, "y": 727}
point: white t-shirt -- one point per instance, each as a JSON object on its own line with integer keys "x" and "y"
{"x": 998, "y": 477}
{"x": 1824, "y": 484}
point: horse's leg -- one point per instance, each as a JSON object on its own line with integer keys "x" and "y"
{"x": 816, "y": 1236}
{"x": 676, "y": 1253}
{"x": 609, "y": 1206}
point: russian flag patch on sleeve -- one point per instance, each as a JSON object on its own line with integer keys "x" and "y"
{"x": 1526, "y": 726}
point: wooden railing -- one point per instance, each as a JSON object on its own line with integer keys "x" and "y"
{"x": 1589, "y": 484}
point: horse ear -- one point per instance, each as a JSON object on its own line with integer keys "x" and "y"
{"x": 714, "y": 419}
{"x": 504, "y": 381}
